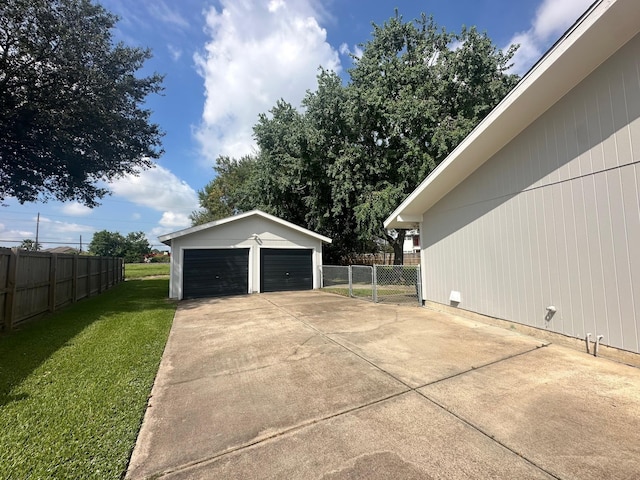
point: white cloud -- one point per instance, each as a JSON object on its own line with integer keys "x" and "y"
{"x": 356, "y": 52}
{"x": 156, "y": 232}
{"x": 16, "y": 235}
{"x": 552, "y": 19}
{"x": 48, "y": 227}
{"x": 75, "y": 209}
{"x": 174, "y": 220}
{"x": 161, "y": 11}
{"x": 175, "y": 52}
{"x": 258, "y": 53}
{"x": 275, "y": 5}
{"x": 157, "y": 188}
{"x": 456, "y": 45}
{"x": 161, "y": 190}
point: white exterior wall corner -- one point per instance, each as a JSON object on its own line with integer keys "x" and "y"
{"x": 242, "y": 234}
{"x": 553, "y": 218}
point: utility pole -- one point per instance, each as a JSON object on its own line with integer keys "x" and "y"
{"x": 80, "y": 244}
{"x": 37, "y": 231}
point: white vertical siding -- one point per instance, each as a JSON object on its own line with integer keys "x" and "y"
{"x": 553, "y": 218}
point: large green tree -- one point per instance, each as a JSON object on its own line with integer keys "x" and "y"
{"x": 333, "y": 171}
{"x": 417, "y": 91}
{"x": 70, "y": 102}
{"x": 232, "y": 191}
{"x": 282, "y": 139}
{"x": 343, "y": 162}
{"x": 132, "y": 247}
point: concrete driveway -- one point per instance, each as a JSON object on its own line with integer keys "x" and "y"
{"x": 307, "y": 385}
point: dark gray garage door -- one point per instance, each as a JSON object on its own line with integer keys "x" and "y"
{"x": 215, "y": 272}
{"x": 284, "y": 269}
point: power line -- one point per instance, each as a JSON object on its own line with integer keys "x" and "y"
{"x": 99, "y": 219}
{"x": 70, "y": 243}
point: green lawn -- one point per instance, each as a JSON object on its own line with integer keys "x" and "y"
{"x": 74, "y": 385}
{"x": 141, "y": 270}
{"x": 367, "y": 291}
{"x": 356, "y": 292}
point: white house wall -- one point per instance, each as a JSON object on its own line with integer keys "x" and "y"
{"x": 553, "y": 218}
{"x": 240, "y": 234}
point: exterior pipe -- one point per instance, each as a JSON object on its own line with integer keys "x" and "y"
{"x": 595, "y": 349}
{"x": 586, "y": 340}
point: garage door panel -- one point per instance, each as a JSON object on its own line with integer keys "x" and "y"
{"x": 285, "y": 269}
{"x": 215, "y": 272}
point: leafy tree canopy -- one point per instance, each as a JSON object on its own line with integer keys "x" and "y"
{"x": 417, "y": 91}
{"x": 132, "y": 247}
{"x": 70, "y": 102}
{"x": 229, "y": 193}
{"x": 30, "y": 245}
{"x": 341, "y": 164}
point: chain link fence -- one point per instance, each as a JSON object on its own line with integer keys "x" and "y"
{"x": 378, "y": 283}
{"x": 396, "y": 284}
{"x": 336, "y": 278}
{"x": 361, "y": 281}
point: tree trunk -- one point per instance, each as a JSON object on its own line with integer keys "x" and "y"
{"x": 398, "y": 244}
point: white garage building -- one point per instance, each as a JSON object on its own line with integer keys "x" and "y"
{"x": 535, "y": 216}
{"x": 246, "y": 253}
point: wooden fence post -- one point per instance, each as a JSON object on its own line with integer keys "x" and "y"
{"x": 89, "y": 263}
{"x": 53, "y": 281}
{"x": 74, "y": 280}
{"x": 100, "y": 267}
{"x": 12, "y": 287}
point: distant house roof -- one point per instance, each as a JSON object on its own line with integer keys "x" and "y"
{"x": 166, "y": 239}
{"x": 603, "y": 29}
{"x": 61, "y": 250}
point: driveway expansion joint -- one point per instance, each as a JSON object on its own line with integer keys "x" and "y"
{"x": 415, "y": 389}
{"x": 485, "y": 365}
{"x": 471, "y": 420}
{"x": 489, "y": 436}
{"x": 273, "y": 436}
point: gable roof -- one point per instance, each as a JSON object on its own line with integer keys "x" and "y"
{"x": 166, "y": 239}
{"x": 603, "y": 29}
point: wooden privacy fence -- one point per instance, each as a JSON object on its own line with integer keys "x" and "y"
{"x": 33, "y": 283}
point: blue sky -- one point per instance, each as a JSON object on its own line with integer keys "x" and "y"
{"x": 225, "y": 62}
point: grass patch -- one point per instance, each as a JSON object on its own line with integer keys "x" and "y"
{"x": 133, "y": 271}
{"x": 356, "y": 292}
{"x": 394, "y": 290}
{"x": 74, "y": 385}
